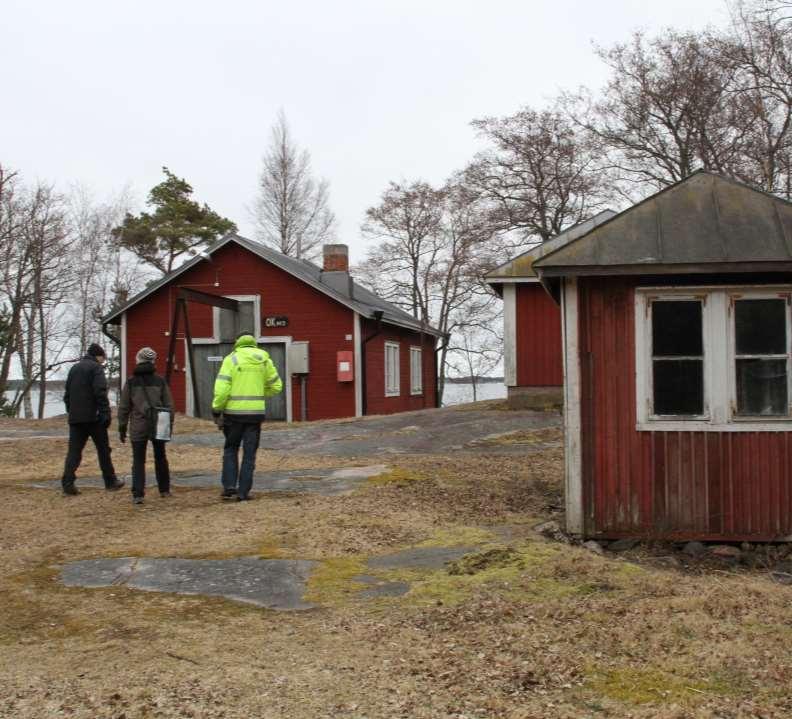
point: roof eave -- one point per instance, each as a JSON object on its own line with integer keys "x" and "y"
{"x": 666, "y": 269}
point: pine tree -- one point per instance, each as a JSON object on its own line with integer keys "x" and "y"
{"x": 178, "y": 225}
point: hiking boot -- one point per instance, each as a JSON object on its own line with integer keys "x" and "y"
{"x": 137, "y": 500}
{"x": 70, "y": 490}
{"x": 165, "y": 494}
{"x": 245, "y": 498}
{"x": 229, "y": 494}
{"x": 116, "y": 484}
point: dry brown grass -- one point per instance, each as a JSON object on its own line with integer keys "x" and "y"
{"x": 553, "y": 632}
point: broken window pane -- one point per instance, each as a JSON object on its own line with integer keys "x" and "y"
{"x": 762, "y": 387}
{"x": 676, "y": 329}
{"x": 760, "y": 327}
{"x": 678, "y": 387}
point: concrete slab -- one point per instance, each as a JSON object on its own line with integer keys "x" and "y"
{"x": 420, "y": 558}
{"x": 324, "y": 482}
{"x": 380, "y": 587}
{"x": 271, "y": 583}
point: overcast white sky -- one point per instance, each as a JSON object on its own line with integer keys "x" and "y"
{"x": 105, "y": 93}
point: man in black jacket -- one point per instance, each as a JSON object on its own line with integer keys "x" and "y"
{"x": 89, "y": 416}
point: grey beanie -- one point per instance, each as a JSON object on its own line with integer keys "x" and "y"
{"x": 145, "y": 354}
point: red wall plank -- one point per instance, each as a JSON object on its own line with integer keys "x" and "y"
{"x": 731, "y": 485}
{"x": 539, "y": 354}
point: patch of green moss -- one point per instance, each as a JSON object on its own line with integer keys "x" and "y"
{"x": 455, "y": 536}
{"x": 645, "y": 686}
{"x": 488, "y": 559}
{"x": 397, "y": 476}
{"x": 439, "y": 586}
{"x": 332, "y": 582}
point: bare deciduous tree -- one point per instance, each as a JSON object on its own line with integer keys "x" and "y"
{"x": 430, "y": 252}
{"x": 759, "y": 48}
{"x": 291, "y": 210}
{"x": 539, "y": 175}
{"x": 666, "y": 110}
{"x": 37, "y": 280}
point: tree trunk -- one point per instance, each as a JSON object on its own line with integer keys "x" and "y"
{"x": 42, "y": 362}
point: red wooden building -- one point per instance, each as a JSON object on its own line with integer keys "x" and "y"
{"x": 677, "y": 317}
{"x": 350, "y": 352}
{"x": 533, "y": 357}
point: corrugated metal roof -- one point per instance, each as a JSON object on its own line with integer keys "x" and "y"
{"x": 696, "y": 225}
{"x": 522, "y": 265}
{"x": 351, "y": 294}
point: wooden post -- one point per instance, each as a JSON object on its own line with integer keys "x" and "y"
{"x": 191, "y": 355}
{"x": 172, "y": 343}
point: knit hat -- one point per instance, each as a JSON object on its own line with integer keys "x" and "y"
{"x": 96, "y": 350}
{"x": 145, "y": 354}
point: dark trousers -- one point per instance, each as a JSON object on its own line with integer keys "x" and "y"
{"x": 247, "y": 434}
{"x": 161, "y": 469}
{"x": 78, "y": 436}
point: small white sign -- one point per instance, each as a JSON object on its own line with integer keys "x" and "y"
{"x": 343, "y": 366}
{"x": 214, "y": 359}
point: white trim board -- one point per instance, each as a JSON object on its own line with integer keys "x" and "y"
{"x": 416, "y": 392}
{"x": 358, "y": 360}
{"x": 510, "y": 335}
{"x": 397, "y": 346}
{"x": 215, "y": 338}
{"x": 573, "y": 465}
{"x": 287, "y": 378}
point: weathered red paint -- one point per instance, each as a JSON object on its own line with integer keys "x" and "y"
{"x": 670, "y": 485}
{"x": 377, "y": 402}
{"x": 313, "y": 316}
{"x": 539, "y": 353}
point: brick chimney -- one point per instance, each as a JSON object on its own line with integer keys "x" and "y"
{"x": 336, "y": 258}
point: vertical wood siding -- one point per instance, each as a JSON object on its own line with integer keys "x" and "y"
{"x": 376, "y": 401}
{"x": 705, "y": 485}
{"x": 539, "y": 355}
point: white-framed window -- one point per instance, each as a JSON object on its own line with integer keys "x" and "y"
{"x": 226, "y": 325}
{"x": 392, "y": 388}
{"x": 713, "y": 358}
{"x": 416, "y": 370}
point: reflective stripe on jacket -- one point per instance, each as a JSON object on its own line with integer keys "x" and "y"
{"x": 246, "y": 378}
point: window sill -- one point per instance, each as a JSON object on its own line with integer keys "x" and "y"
{"x": 393, "y": 394}
{"x": 777, "y": 425}
{"x": 416, "y": 393}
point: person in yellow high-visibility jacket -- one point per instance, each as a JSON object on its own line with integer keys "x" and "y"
{"x": 246, "y": 378}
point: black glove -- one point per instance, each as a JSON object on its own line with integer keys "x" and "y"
{"x": 122, "y": 436}
{"x": 105, "y": 422}
{"x": 218, "y": 419}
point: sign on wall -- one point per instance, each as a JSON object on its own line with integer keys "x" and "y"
{"x": 277, "y": 321}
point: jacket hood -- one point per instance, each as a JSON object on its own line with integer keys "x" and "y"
{"x": 144, "y": 368}
{"x": 245, "y": 341}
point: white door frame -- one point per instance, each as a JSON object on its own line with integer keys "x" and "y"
{"x": 287, "y": 380}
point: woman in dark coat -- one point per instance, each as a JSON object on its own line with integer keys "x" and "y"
{"x": 143, "y": 390}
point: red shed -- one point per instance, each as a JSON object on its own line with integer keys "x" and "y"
{"x": 352, "y": 352}
{"x": 532, "y": 353}
{"x": 677, "y": 317}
